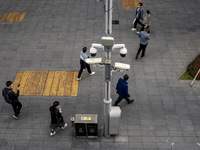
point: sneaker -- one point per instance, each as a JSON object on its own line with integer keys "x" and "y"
{"x": 65, "y": 125}
{"x": 136, "y": 57}
{"x": 138, "y": 32}
{"x": 14, "y": 116}
{"x": 133, "y": 29}
{"x": 20, "y": 113}
{"x": 142, "y": 56}
{"x": 92, "y": 73}
{"x": 78, "y": 79}
{"x": 53, "y": 133}
{"x": 131, "y": 101}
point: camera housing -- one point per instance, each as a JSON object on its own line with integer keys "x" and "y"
{"x": 93, "y": 61}
{"x": 123, "y": 52}
{"x": 122, "y": 66}
{"x": 93, "y": 51}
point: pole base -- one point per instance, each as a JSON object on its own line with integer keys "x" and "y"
{"x": 107, "y": 109}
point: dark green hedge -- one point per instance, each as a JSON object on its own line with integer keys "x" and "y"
{"x": 193, "y": 67}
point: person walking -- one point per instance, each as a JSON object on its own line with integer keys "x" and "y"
{"x": 83, "y": 64}
{"x": 146, "y": 21}
{"x": 57, "y": 120}
{"x": 138, "y": 17}
{"x": 144, "y": 37}
{"x": 122, "y": 90}
{"x": 8, "y": 93}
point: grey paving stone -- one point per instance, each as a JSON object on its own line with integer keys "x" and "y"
{"x": 136, "y": 145}
{"x": 189, "y": 133}
{"x": 191, "y": 140}
{"x": 50, "y": 38}
{"x": 152, "y": 145}
{"x": 186, "y": 146}
{"x": 107, "y": 145}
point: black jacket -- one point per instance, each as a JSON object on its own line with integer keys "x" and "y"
{"x": 56, "y": 116}
{"x": 12, "y": 95}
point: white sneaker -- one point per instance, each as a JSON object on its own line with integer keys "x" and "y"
{"x": 78, "y": 79}
{"x": 65, "y": 125}
{"x": 138, "y": 32}
{"x": 133, "y": 29}
{"x": 53, "y": 133}
{"x": 92, "y": 73}
{"x": 15, "y": 117}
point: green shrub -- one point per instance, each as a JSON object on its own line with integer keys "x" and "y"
{"x": 193, "y": 67}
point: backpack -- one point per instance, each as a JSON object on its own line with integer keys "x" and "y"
{"x": 6, "y": 97}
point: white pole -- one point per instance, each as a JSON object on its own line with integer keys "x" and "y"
{"x": 195, "y": 77}
{"x": 110, "y": 16}
{"x": 106, "y": 17}
{"x": 107, "y": 99}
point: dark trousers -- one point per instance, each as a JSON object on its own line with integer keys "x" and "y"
{"x": 16, "y": 107}
{"x": 119, "y": 100}
{"x": 138, "y": 22}
{"x": 141, "y": 48}
{"x": 81, "y": 70}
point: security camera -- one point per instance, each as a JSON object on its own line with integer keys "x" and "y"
{"x": 122, "y": 66}
{"x": 123, "y": 52}
{"x": 93, "y": 51}
{"x": 93, "y": 61}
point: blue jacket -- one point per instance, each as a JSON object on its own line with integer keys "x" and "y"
{"x": 122, "y": 89}
{"x": 139, "y": 14}
{"x": 144, "y": 37}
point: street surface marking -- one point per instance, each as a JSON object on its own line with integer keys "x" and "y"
{"x": 130, "y": 4}
{"x": 47, "y": 83}
{"x": 13, "y": 17}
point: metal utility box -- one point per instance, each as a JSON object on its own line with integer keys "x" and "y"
{"x": 86, "y": 125}
{"x": 114, "y": 117}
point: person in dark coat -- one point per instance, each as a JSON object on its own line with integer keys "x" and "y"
{"x": 57, "y": 120}
{"x": 122, "y": 90}
{"x": 13, "y": 97}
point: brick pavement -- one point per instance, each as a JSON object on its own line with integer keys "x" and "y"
{"x": 165, "y": 114}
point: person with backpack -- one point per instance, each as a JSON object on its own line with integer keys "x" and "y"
{"x": 12, "y": 98}
{"x": 57, "y": 120}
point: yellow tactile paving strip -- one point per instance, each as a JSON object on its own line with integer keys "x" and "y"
{"x": 13, "y": 17}
{"x": 47, "y": 83}
{"x": 130, "y": 4}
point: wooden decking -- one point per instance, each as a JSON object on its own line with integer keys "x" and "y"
{"x": 130, "y": 4}
{"x": 13, "y": 17}
{"x": 47, "y": 83}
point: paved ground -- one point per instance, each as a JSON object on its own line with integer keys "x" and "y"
{"x": 165, "y": 114}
